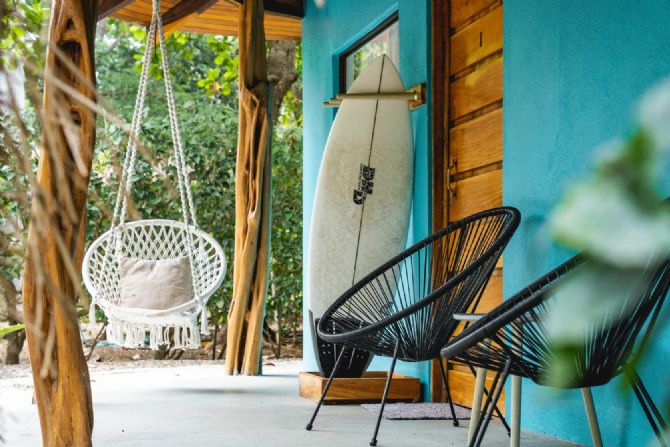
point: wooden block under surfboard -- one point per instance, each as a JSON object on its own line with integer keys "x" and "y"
{"x": 367, "y": 389}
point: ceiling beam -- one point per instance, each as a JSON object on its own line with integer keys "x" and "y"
{"x": 185, "y": 8}
{"x": 289, "y": 8}
{"x": 183, "y": 12}
{"x": 108, "y": 7}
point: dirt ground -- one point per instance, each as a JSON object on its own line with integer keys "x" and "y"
{"x": 105, "y": 353}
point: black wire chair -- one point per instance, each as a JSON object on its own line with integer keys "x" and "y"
{"x": 513, "y": 339}
{"x": 404, "y": 308}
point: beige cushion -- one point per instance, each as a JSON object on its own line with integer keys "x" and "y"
{"x": 156, "y": 285}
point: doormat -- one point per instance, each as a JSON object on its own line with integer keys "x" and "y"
{"x": 425, "y": 410}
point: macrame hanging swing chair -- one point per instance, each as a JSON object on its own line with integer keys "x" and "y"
{"x": 153, "y": 278}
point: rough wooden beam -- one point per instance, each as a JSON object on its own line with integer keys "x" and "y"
{"x": 108, "y": 7}
{"x": 183, "y": 12}
{"x": 290, "y": 8}
{"x": 186, "y": 8}
{"x": 252, "y": 198}
{"x": 60, "y": 373}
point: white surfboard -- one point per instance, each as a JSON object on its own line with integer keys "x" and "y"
{"x": 363, "y": 193}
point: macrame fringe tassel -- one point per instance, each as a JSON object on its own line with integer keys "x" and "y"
{"x": 91, "y": 315}
{"x": 204, "y": 323}
{"x": 180, "y": 335}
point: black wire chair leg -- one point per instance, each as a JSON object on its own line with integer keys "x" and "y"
{"x": 491, "y": 403}
{"x": 325, "y": 390}
{"x": 373, "y": 443}
{"x": 662, "y": 422}
{"x": 499, "y": 414}
{"x": 445, "y": 381}
{"x": 647, "y": 413}
{"x": 651, "y": 411}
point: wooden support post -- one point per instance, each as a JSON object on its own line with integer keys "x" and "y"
{"x": 60, "y": 373}
{"x": 480, "y": 383}
{"x": 515, "y": 413}
{"x": 252, "y": 198}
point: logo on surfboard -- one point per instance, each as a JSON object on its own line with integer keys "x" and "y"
{"x": 366, "y": 178}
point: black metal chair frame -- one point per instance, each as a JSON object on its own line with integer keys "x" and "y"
{"x": 453, "y": 266}
{"x": 511, "y": 339}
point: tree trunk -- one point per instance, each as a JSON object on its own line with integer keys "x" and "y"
{"x": 60, "y": 373}
{"x": 15, "y": 342}
{"x": 281, "y": 72}
{"x": 162, "y": 352}
{"x": 15, "y": 339}
{"x": 252, "y": 198}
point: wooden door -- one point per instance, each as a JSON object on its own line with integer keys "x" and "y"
{"x": 467, "y": 135}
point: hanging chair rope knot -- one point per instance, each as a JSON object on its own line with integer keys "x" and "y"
{"x": 153, "y": 240}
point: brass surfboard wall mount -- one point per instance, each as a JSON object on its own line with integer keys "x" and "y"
{"x": 415, "y": 95}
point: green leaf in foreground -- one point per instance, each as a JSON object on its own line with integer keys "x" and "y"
{"x": 9, "y": 329}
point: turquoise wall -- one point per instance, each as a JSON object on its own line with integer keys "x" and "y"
{"x": 573, "y": 72}
{"x": 326, "y": 33}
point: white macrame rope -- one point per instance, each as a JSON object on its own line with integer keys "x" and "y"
{"x": 182, "y": 170}
{"x": 125, "y": 182}
{"x": 188, "y": 209}
{"x": 186, "y": 198}
{"x": 155, "y": 239}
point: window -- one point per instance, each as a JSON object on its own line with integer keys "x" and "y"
{"x": 381, "y": 40}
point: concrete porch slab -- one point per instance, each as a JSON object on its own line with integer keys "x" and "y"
{"x": 199, "y": 405}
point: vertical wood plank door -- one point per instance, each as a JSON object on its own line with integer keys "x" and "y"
{"x": 467, "y": 136}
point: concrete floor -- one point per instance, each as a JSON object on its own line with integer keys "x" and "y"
{"x": 200, "y": 406}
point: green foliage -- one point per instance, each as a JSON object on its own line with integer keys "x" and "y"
{"x": 21, "y": 25}
{"x": 14, "y": 191}
{"x": 291, "y": 113}
{"x": 10, "y": 329}
{"x": 284, "y": 304}
{"x": 222, "y": 78}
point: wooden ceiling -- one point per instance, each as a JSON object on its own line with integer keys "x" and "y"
{"x": 282, "y": 17}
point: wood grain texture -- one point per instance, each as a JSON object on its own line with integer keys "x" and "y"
{"x": 476, "y": 90}
{"x": 368, "y": 388}
{"x": 440, "y": 100}
{"x": 183, "y": 12}
{"x": 477, "y": 194}
{"x": 464, "y": 10}
{"x": 471, "y": 136}
{"x": 491, "y": 298}
{"x": 477, "y": 40}
{"x": 50, "y": 282}
{"x": 477, "y": 143}
{"x": 440, "y": 70}
{"x": 220, "y": 18}
{"x": 252, "y": 198}
{"x": 109, "y": 7}
{"x": 462, "y": 386}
